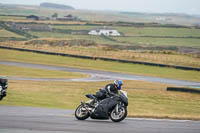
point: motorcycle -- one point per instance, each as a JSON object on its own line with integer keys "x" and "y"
{"x": 114, "y": 107}
{"x": 3, "y": 87}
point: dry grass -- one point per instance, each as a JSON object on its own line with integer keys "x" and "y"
{"x": 145, "y": 99}
{"x": 99, "y": 51}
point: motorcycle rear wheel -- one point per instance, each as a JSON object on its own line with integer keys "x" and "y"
{"x": 121, "y": 115}
{"x": 81, "y": 113}
{"x": 1, "y": 97}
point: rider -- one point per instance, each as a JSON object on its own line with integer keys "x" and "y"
{"x": 109, "y": 90}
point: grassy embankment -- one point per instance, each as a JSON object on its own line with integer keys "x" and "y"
{"x": 10, "y": 55}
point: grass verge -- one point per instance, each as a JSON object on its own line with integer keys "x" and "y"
{"x": 145, "y": 99}
{"x": 16, "y": 71}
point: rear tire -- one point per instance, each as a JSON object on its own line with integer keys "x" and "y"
{"x": 81, "y": 113}
{"x": 120, "y": 116}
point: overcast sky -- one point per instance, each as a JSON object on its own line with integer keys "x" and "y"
{"x": 149, "y": 6}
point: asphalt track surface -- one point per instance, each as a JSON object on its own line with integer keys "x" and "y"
{"x": 97, "y": 75}
{"x": 42, "y": 120}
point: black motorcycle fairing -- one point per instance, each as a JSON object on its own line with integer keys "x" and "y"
{"x": 124, "y": 99}
{"x": 104, "y": 107}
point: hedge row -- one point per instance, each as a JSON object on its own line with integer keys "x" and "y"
{"x": 2, "y": 39}
{"x": 19, "y": 32}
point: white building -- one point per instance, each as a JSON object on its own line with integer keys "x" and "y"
{"x": 104, "y": 31}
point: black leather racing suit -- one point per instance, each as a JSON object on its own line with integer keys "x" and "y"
{"x": 107, "y": 91}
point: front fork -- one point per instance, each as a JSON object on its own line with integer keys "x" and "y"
{"x": 118, "y": 107}
{"x": 86, "y": 107}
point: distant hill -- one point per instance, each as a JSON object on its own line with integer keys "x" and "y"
{"x": 57, "y": 6}
{"x": 91, "y": 15}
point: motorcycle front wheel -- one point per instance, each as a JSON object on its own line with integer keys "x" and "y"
{"x": 81, "y": 113}
{"x": 120, "y": 115}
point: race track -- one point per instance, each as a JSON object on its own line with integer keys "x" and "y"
{"x": 97, "y": 75}
{"x": 42, "y": 120}
{"x": 15, "y": 119}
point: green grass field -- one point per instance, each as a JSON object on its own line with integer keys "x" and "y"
{"x": 10, "y": 55}
{"x": 16, "y": 71}
{"x": 141, "y": 31}
{"x": 159, "y": 31}
{"x": 132, "y": 36}
{"x": 148, "y": 41}
{"x": 5, "y": 33}
{"x": 9, "y": 18}
{"x": 53, "y": 35}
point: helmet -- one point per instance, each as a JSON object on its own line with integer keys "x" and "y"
{"x": 118, "y": 83}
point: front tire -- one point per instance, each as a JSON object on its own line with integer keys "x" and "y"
{"x": 81, "y": 113}
{"x": 121, "y": 115}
